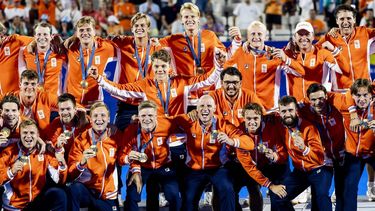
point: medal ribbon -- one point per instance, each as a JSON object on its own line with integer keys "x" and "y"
{"x": 142, "y": 70}
{"x": 143, "y": 147}
{"x": 41, "y": 72}
{"x": 82, "y": 60}
{"x": 197, "y": 59}
{"x": 166, "y": 103}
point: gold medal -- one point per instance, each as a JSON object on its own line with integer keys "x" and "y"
{"x": 214, "y": 134}
{"x": 5, "y": 132}
{"x": 262, "y": 148}
{"x": 23, "y": 159}
{"x": 67, "y": 134}
{"x": 84, "y": 84}
{"x": 94, "y": 148}
{"x": 41, "y": 87}
{"x": 296, "y": 133}
{"x": 199, "y": 70}
{"x": 143, "y": 157}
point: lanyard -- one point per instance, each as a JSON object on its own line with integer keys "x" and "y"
{"x": 20, "y": 154}
{"x": 72, "y": 132}
{"x": 94, "y": 141}
{"x": 166, "y": 103}
{"x": 143, "y": 147}
{"x": 197, "y": 59}
{"x": 82, "y": 60}
{"x": 42, "y": 71}
{"x": 141, "y": 70}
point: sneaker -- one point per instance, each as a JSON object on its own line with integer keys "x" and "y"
{"x": 162, "y": 201}
{"x": 302, "y": 197}
{"x": 370, "y": 193}
{"x": 207, "y": 198}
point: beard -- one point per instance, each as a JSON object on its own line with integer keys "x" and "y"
{"x": 290, "y": 123}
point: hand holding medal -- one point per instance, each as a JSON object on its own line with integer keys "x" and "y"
{"x": 93, "y": 72}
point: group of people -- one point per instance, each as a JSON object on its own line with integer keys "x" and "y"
{"x": 192, "y": 113}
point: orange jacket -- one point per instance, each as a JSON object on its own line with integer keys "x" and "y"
{"x": 331, "y": 130}
{"x": 318, "y": 64}
{"x": 146, "y": 89}
{"x": 105, "y": 52}
{"x": 233, "y": 113}
{"x": 9, "y": 55}
{"x": 262, "y": 75}
{"x": 52, "y": 76}
{"x": 313, "y": 155}
{"x": 22, "y": 188}
{"x": 356, "y": 56}
{"x": 203, "y": 152}
{"x": 100, "y": 172}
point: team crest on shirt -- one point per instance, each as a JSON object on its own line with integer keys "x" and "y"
{"x": 159, "y": 141}
{"x": 246, "y": 66}
{"x": 41, "y": 114}
{"x": 194, "y": 135}
{"x": 332, "y": 122}
{"x": 40, "y": 158}
{"x": 185, "y": 49}
{"x": 97, "y": 60}
{"x": 173, "y": 93}
{"x": 239, "y": 113}
{"x": 53, "y": 62}
{"x": 203, "y": 47}
{"x": 225, "y": 113}
{"x": 7, "y": 51}
{"x": 357, "y": 44}
{"x": 264, "y": 68}
{"x": 312, "y": 62}
{"x": 111, "y": 152}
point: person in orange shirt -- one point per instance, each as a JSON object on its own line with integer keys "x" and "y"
{"x": 45, "y": 61}
{"x": 319, "y": 64}
{"x": 9, "y": 53}
{"x": 261, "y": 66}
{"x": 305, "y": 148}
{"x": 353, "y": 43}
{"x": 266, "y": 165}
{"x": 124, "y": 10}
{"x": 24, "y": 174}
{"x": 329, "y": 122}
{"x": 92, "y": 163}
{"x": 89, "y": 50}
{"x": 150, "y": 139}
{"x": 47, "y": 8}
{"x": 319, "y": 25}
{"x": 207, "y": 142}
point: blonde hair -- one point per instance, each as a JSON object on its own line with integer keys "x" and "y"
{"x": 139, "y": 16}
{"x": 190, "y": 6}
{"x": 258, "y": 24}
{"x": 85, "y": 20}
{"x": 147, "y": 104}
{"x": 98, "y": 105}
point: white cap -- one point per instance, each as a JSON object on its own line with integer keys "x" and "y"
{"x": 113, "y": 19}
{"x": 304, "y": 26}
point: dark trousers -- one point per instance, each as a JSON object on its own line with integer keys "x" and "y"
{"x": 81, "y": 196}
{"x": 319, "y": 179}
{"x": 196, "y": 180}
{"x": 353, "y": 167}
{"x": 50, "y": 199}
{"x": 166, "y": 176}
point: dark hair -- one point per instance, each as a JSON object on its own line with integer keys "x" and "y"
{"x": 253, "y": 106}
{"x": 43, "y": 24}
{"x": 162, "y": 55}
{"x": 230, "y": 71}
{"x": 315, "y": 87}
{"x": 65, "y": 97}
{"x": 10, "y": 98}
{"x": 359, "y": 83}
{"x": 345, "y": 7}
{"x": 29, "y": 75}
{"x": 286, "y": 100}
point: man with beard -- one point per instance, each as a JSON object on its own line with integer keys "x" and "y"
{"x": 329, "y": 122}
{"x": 149, "y": 138}
{"x": 318, "y": 63}
{"x": 63, "y": 130}
{"x": 207, "y": 143}
{"x": 261, "y": 66}
{"x": 306, "y": 151}
{"x": 9, "y": 53}
{"x": 90, "y": 50}
{"x": 44, "y": 60}
{"x": 24, "y": 174}
{"x": 92, "y": 163}
{"x": 353, "y": 43}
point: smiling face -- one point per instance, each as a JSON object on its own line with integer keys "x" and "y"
{"x": 318, "y": 100}
{"x": 363, "y": 98}
{"x": 28, "y": 89}
{"x": 252, "y": 121}
{"x": 346, "y": 22}
{"x": 288, "y": 114}
{"x": 99, "y": 119}
{"x": 231, "y": 85}
{"x": 147, "y": 119}
{"x": 86, "y": 33}
{"x": 161, "y": 69}
{"x": 29, "y": 136}
{"x": 67, "y": 111}
{"x": 256, "y": 35}
{"x": 140, "y": 28}
{"x": 42, "y": 37}
{"x": 10, "y": 114}
{"x": 190, "y": 20}
{"x": 206, "y": 109}
{"x": 304, "y": 39}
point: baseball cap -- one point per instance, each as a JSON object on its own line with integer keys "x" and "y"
{"x": 304, "y": 26}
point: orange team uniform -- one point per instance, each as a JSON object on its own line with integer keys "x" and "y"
{"x": 317, "y": 64}
{"x": 105, "y": 52}
{"x": 204, "y": 152}
{"x": 9, "y": 55}
{"x": 313, "y": 155}
{"x": 147, "y": 89}
{"x": 56, "y": 128}
{"x": 100, "y": 172}
{"x": 157, "y": 150}
{"x": 356, "y": 52}
{"x": 25, "y": 186}
{"x": 49, "y": 10}
{"x": 52, "y": 72}
{"x": 253, "y": 160}
{"x": 229, "y": 112}
{"x": 124, "y": 9}
{"x": 319, "y": 27}
{"x": 331, "y": 130}
{"x": 262, "y": 75}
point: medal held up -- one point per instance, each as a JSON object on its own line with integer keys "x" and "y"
{"x": 84, "y": 69}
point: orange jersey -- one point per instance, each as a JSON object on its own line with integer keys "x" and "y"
{"x": 262, "y": 75}
{"x": 9, "y": 55}
{"x": 203, "y": 150}
{"x": 157, "y": 150}
{"x": 318, "y": 64}
{"x": 313, "y": 155}
{"x": 105, "y": 52}
{"x": 100, "y": 172}
{"x": 52, "y": 72}
{"x": 49, "y": 10}
{"x": 146, "y": 89}
{"x": 331, "y": 130}
{"x": 23, "y": 187}
{"x": 233, "y": 112}
{"x": 124, "y": 9}
{"x": 356, "y": 52}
